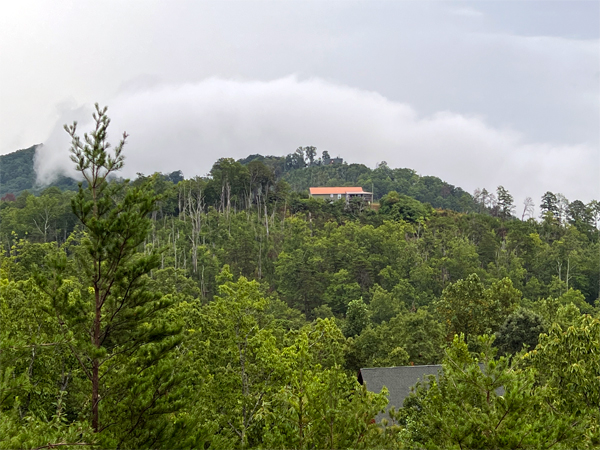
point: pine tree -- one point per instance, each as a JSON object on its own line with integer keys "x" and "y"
{"x": 505, "y": 203}
{"x": 549, "y": 205}
{"x": 114, "y": 318}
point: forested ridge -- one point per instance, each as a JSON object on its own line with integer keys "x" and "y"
{"x": 17, "y": 174}
{"x": 300, "y": 169}
{"x": 232, "y": 311}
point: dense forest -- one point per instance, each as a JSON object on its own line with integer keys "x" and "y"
{"x": 233, "y": 311}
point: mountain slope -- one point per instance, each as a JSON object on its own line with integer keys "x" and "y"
{"x": 17, "y": 174}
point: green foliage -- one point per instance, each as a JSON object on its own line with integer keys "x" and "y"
{"x": 383, "y": 306}
{"x": 520, "y": 330}
{"x": 421, "y": 335}
{"x": 468, "y": 308}
{"x": 206, "y": 288}
{"x": 241, "y": 359}
{"x": 568, "y": 361}
{"x": 17, "y": 173}
{"x": 409, "y": 338}
{"x": 300, "y": 280}
{"x": 38, "y": 379}
{"x": 357, "y": 317}
{"x": 505, "y": 203}
{"x": 375, "y": 347}
{"x": 342, "y": 290}
{"x": 563, "y": 310}
{"x": 402, "y": 207}
{"x": 484, "y": 402}
{"x": 37, "y": 433}
{"x": 320, "y": 406}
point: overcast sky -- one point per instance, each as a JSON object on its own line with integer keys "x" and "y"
{"x": 477, "y": 93}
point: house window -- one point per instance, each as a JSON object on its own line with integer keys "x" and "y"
{"x": 331, "y": 195}
{"x": 339, "y": 196}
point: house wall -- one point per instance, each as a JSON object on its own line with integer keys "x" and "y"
{"x": 366, "y": 197}
{"x": 328, "y": 196}
{"x": 347, "y": 197}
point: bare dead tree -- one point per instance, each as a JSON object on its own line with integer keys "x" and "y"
{"x": 528, "y": 208}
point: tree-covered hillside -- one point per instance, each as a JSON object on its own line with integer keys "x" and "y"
{"x": 300, "y": 169}
{"x": 233, "y": 311}
{"x": 16, "y": 171}
{"x": 17, "y": 174}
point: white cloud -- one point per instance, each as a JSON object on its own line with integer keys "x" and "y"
{"x": 190, "y": 126}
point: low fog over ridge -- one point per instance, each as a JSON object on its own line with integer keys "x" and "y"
{"x": 189, "y": 126}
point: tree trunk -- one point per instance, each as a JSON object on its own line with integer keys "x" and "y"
{"x": 568, "y": 267}
{"x": 96, "y": 365}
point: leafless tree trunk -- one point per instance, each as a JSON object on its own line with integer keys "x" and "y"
{"x": 528, "y": 208}
{"x": 44, "y": 221}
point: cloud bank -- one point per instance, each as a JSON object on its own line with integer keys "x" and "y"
{"x": 189, "y": 126}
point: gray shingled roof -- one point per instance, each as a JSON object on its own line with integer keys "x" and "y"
{"x": 398, "y": 381}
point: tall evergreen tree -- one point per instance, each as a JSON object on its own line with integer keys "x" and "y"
{"x": 505, "y": 203}
{"x": 549, "y": 204}
{"x": 580, "y": 215}
{"x": 112, "y": 318}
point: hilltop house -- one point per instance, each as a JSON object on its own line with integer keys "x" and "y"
{"x": 337, "y": 193}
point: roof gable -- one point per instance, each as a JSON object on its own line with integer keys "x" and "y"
{"x": 398, "y": 381}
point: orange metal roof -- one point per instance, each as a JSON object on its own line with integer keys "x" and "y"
{"x": 335, "y": 190}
